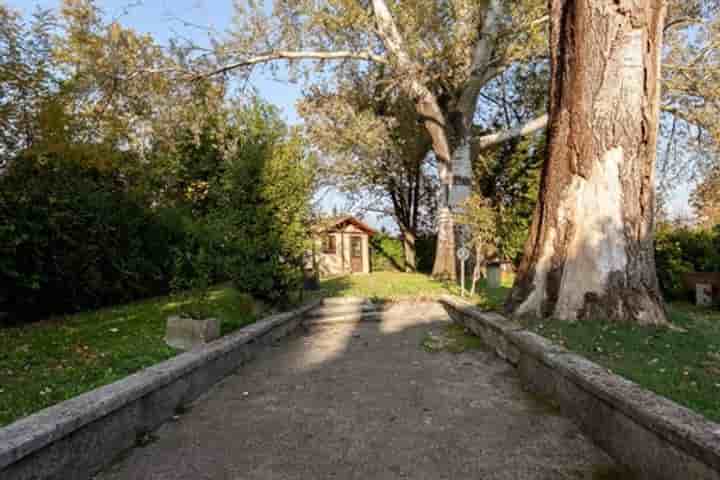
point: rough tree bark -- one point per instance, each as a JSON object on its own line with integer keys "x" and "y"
{"x": 590, "y": 250}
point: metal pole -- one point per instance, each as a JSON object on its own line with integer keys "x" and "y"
{"x": 462, "y": 278}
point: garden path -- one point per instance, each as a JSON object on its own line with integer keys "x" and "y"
{"x": 367, "y": 401}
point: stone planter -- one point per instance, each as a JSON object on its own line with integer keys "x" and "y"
{"x": 187, "y": 333}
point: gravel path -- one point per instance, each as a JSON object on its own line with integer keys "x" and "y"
{"x": 365, "y": 401}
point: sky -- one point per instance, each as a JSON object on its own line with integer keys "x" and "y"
{"x": 165, "y": 19}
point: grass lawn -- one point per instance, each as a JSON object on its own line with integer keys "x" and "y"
{"x": 50, "y": 361}
{"x": 394, "y": 286}
{"x": 681, "y": 365}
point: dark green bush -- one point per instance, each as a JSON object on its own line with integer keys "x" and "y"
{"x": 425, "y": 250}
{"x": 80, "y": 230}
{"x": 682, "y": 250}
{"x": 262, "y": 206}
{"x": 74, "y": 237}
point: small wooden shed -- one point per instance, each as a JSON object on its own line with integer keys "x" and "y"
{"x": 341, "y": 246}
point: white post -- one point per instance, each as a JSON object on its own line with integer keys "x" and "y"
{"x": 462, "y": 254}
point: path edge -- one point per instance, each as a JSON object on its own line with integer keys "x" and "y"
{"x": 77, "y": 438}
{"x": 651, "y": 435}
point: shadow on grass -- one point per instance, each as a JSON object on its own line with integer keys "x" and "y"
{"x": 396, "y": 286}
{"x": 381, "y": 251}
{"x": 681, "y": 364}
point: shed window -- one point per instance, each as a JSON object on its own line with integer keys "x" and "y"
{"x": 329, "y": 244}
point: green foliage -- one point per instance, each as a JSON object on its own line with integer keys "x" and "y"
{"x": 386, "y": 254}
{"x": 198, "y": 264}
{"x": 81, "y": 231}
{"x": 425, "y": 251}
{"x": 508, "y": 178}
{"x": 74, "y": 236}
{"x": 481, "y": 220}
{"x": 262, "y": 205}
{"x": 682, "y": 250}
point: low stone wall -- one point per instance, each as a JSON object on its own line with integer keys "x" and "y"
{"x": 651, "y": 435}
{"x": 75, "y": 439}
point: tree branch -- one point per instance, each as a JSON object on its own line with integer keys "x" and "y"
{"x": 426, "y": 104}
{"x": 482, "y": 54}
{"x": 528, "y": 128}
{"x": 300, "y": 55}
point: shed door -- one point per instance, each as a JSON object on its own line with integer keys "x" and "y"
{"x": 356, "y": 254}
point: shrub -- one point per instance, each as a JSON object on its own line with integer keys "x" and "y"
{"x": 262, "y": 207}
{"x": 75, "y": 237}
{"x": 387, "y": 253}
{"x": 682, "y": 250}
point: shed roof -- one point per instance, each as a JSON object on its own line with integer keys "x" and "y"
{"x": 336, "y": 223}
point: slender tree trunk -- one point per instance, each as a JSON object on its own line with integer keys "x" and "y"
{"x": 590, "y": 251}
{"x": 434, "y": 119}
{"x": 408, "y": 239}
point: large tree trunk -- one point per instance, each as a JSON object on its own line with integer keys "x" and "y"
{"x": 457, "y": 184}
{"x": 590, "y": 251}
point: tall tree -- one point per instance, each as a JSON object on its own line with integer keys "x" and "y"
{"x": 705, "y": 199}
{"x": 27, "y": 78}
{"x": 375, "y": 153}
{"x": 439, "y": 54}
{"x": 590, "y": 250}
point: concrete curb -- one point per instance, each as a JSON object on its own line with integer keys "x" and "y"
{"x": 77, "y": 438}
{"x": 651, "y": 435}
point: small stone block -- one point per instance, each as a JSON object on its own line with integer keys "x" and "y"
{"x": 703, "y": 294}
{"x": 187, "y": 333}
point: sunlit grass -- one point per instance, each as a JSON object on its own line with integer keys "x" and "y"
{"x": 50, "y": 361}
{"x": 395, "y": 286}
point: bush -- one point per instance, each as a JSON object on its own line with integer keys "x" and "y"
{"x": 262, "y": 207}
{"x": 386, "y": 254}
{"x": 80, "y": 230}
{"x": 425, "y": 250}
{"x": 682, "y": 250}
{"x": 74, "y": 238}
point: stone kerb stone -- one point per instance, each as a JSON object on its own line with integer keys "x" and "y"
{"x": 655, "y": 437}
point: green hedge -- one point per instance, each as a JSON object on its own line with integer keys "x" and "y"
{"x": 682, "y": 250}
{"x": 73, "y": 237}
